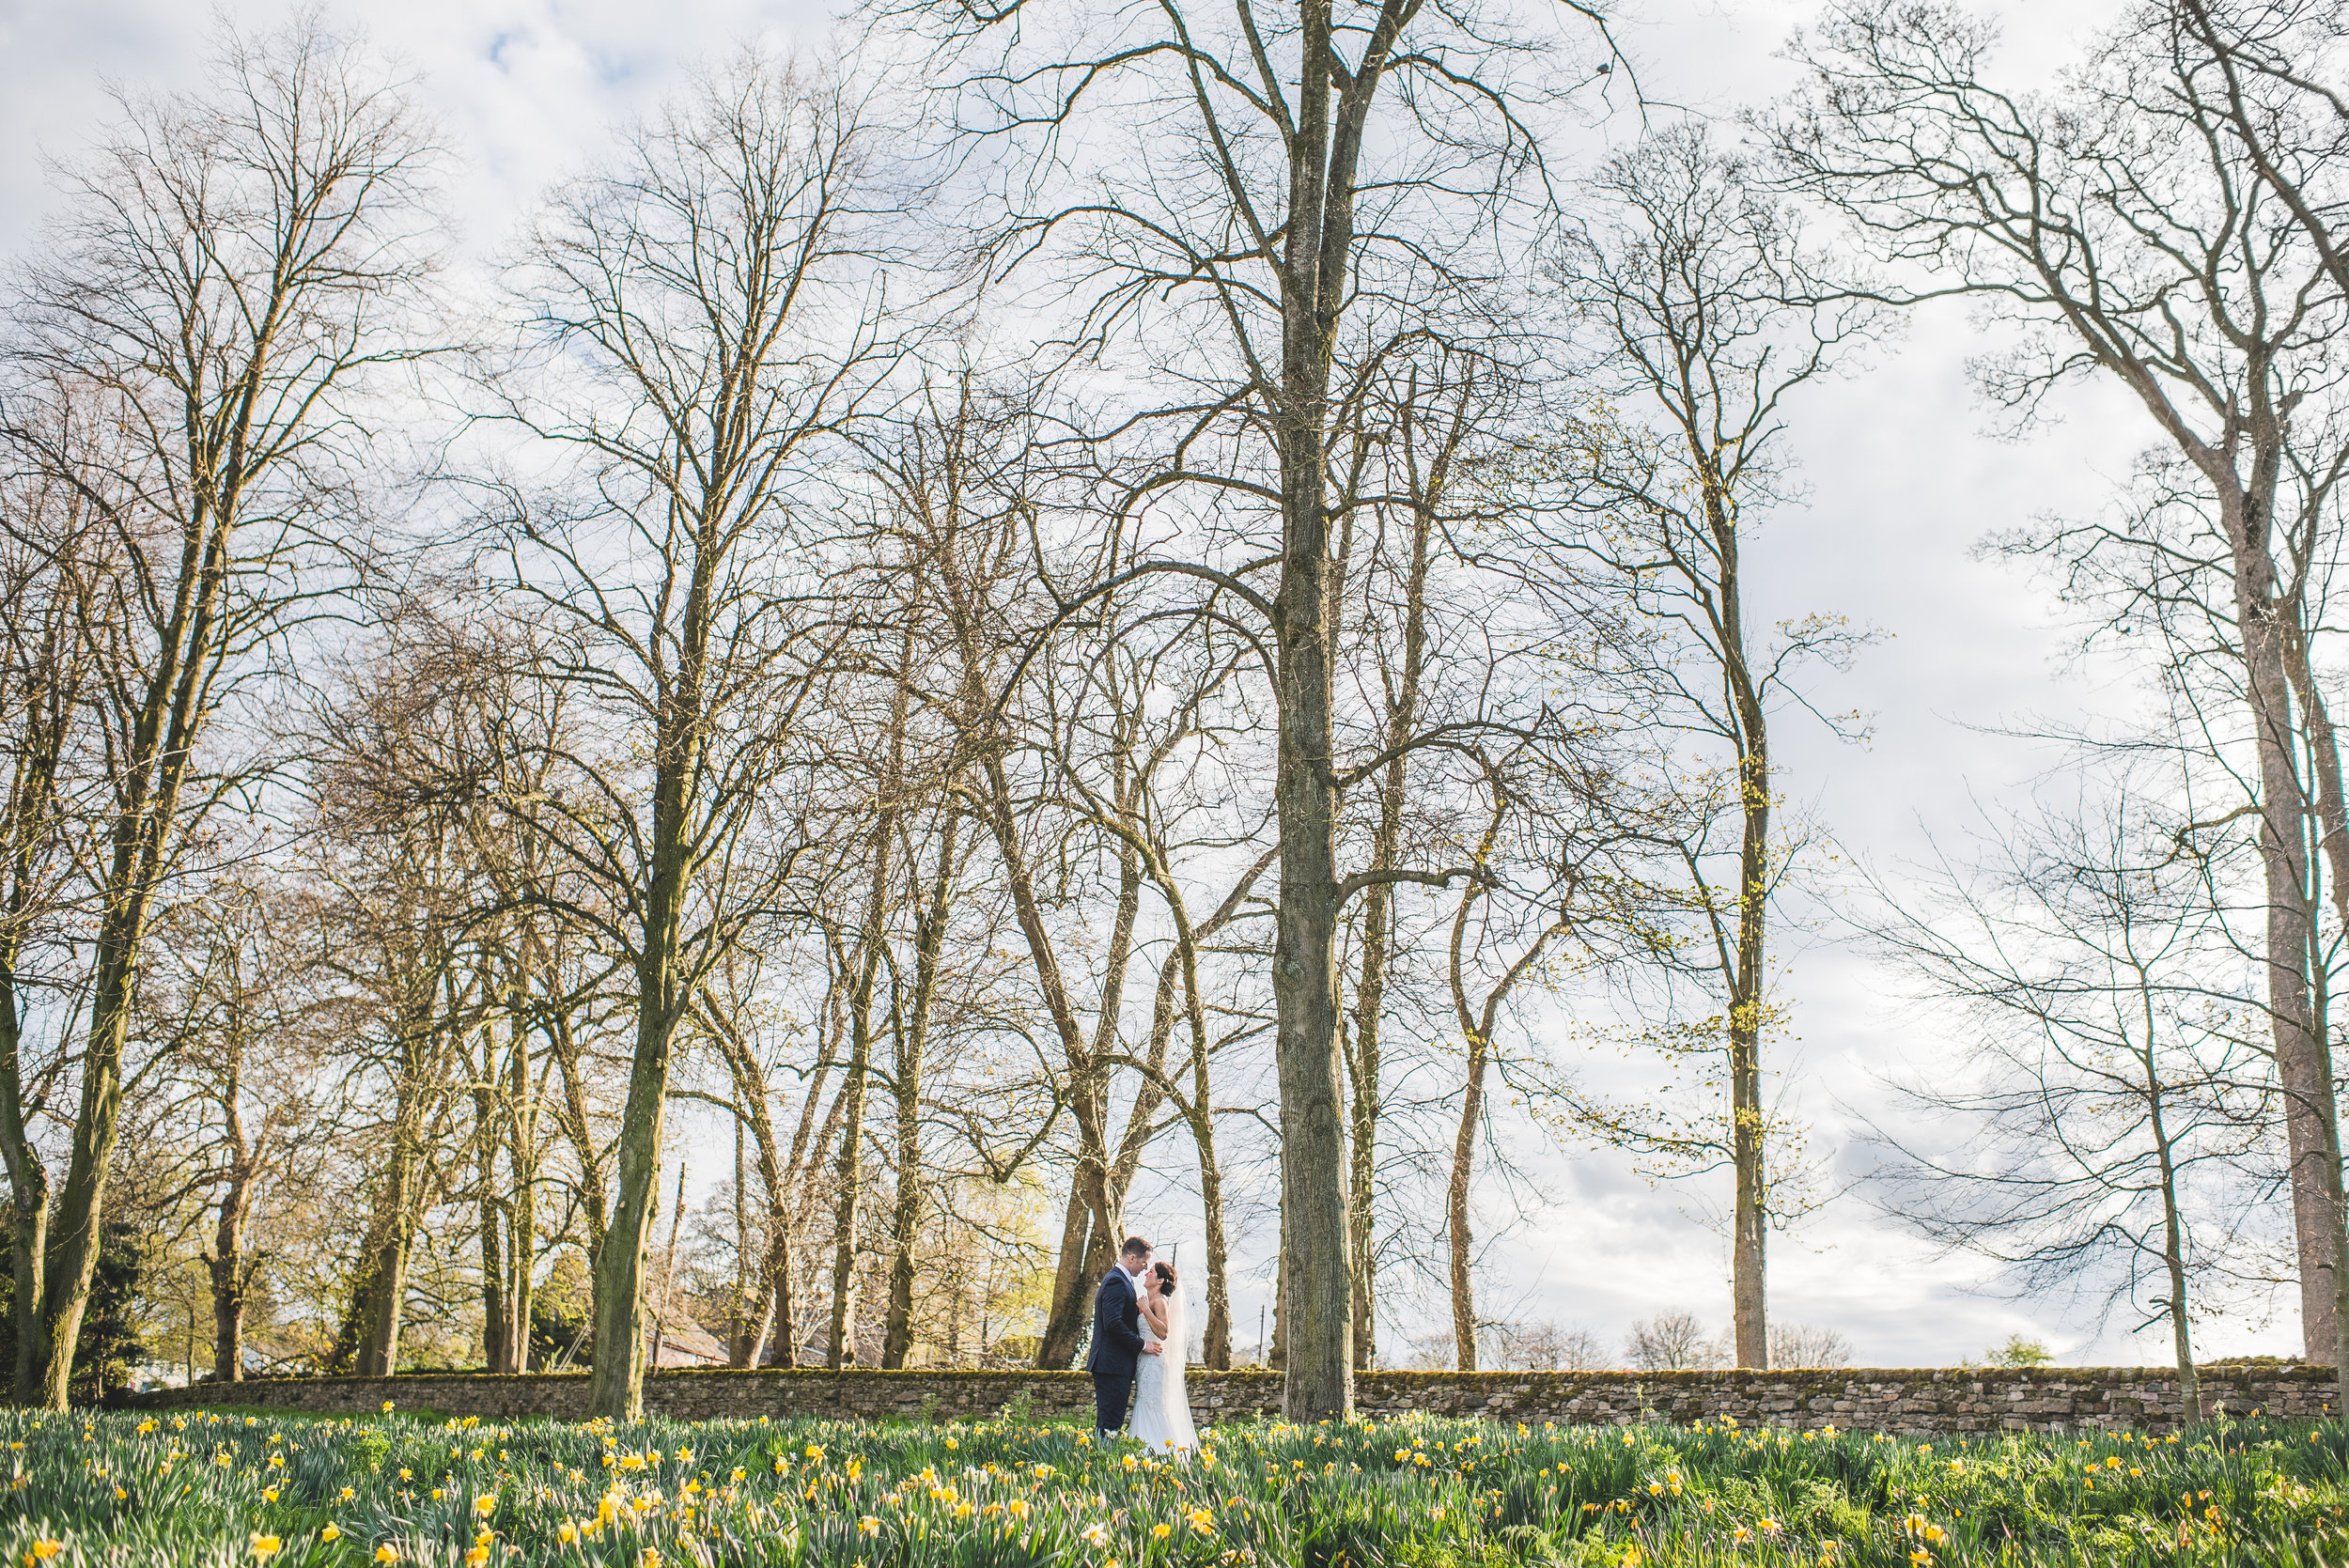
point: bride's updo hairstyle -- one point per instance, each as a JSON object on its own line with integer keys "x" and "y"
{"x": 1165, "y": 1272}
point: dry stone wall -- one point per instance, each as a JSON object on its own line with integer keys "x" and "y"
{"x": 1961, "y": 1400}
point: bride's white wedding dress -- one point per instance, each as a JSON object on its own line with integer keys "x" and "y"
{"x": 1162, "y": 1418}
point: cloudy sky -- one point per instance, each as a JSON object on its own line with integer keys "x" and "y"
{"x": 1903, "y": 479}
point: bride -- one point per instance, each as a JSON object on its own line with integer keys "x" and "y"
{"x": 1161, "y": 1416}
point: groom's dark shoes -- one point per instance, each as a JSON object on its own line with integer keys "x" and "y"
{"x": 1116, "y": 1349}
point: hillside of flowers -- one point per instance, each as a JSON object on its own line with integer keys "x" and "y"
{"x": 223, "y": 1487}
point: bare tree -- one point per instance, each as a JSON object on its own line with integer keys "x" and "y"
{"x": 1808, "y": 1345}
{"x": 231, "y": 270}
{"x": 2107, "y": 1101}
{"x": 1670, "y": 1342}
{"x": 2126, "y": 230}
{"x": 232, "y": 992}
{"x": 1543, "y": 886}
{"x": 1540, "y": 1348}
{"x": 1306, "y": 149}
{"x": 704, "y": 302}
{"x": 1702, "y": 312}
{"x": 50, "y": 674}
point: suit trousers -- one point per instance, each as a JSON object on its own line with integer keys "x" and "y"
{"x": 1112, "y": 1394}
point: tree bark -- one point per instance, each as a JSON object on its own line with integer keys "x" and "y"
{"x": 1750, "y": 1225}
{"x": 28, "y": 1187}
{"x": 2303, "y": 1059}
{"x": 905, "y": 1221}
{"x": 1370, "y": 992}
{"x": 2172, "y": 1225}
{"x": 225, "y": 1263}
{"x": 523, "y": 1159}
{"x": 2332, "y": 814}
{"x": 1460, "y": 1249}
{"x": 1316, "y": 249}
{"x": 495, "y": 1323}
{"x": 382, "y": 1287}
{"x": 872, "y": 939}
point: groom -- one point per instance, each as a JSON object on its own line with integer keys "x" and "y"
{"x": 1117, "y": 1343}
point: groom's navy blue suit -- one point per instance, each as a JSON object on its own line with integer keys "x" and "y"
{"x": 1116, "y": 1349}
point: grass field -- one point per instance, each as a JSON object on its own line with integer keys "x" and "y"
{"x": 244, "y": 1487}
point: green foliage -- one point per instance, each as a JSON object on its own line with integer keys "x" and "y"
{"x": 561, "y": 1315}
{"x": 109, "y": 1345}
{"x": 559, "y": 1338}
{"x": 2018, "y": 1351}
{"x": 221, "y": 1489}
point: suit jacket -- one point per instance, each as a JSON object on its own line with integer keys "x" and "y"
{"x": 1116, "y": 1327}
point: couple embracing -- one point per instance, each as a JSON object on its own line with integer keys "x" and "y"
{"x": 1138, "y": 1345}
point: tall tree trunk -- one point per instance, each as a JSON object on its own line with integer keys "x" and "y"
{"x": 870, "y": 953}
{"x": 1277, "y": 1355}
{"x": 1320, "y": 1369}
{"x": 790, "y": 1190}
{"x": 1370, "y": 993}
{"x": 742, "y": 1334}
{"x": 616, "y": 1384}
{"x": 494, "y": 1317}
{"x": 572, "y": 1116}
{"x": 905, "y": 1221}
{"x": 1744, "y": 971}
{"x": 490, "y": 1222}
{"x": 74, "y": 1232}
{"x": 382, "y": 1286}
{"x": 522, "y": 1157}
{"x": 48, "y": 702}
{"x": 851, "y": 1164}
{"x": 225, "y": 1263}
{"x": 1063, "y": 1319}
{"x": 379, "y": 1292}
{"x": 1476, "y": 1025}
{"x": 28, "y": 1192}
{"x": 2303, "y": 1059}
{"x": 1316, "y": 247}
{"x": 1216, "y": 1334}
{"x": 2332, "y": 814}
{"x": 1103, "y": 1176}
{"x": 668, "y": 1310}
{"x": 1461, "y": 1250}
{"x": 2172, "y": 1225}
